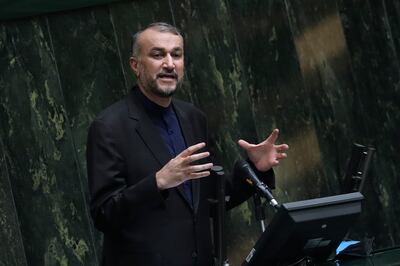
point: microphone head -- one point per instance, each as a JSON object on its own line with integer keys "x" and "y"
{"x": 240, "y": 165}
{"x": 243, "y": 168}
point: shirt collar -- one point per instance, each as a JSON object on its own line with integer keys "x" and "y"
{"x": 151, "y": 106}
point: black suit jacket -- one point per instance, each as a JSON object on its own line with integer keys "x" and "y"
{"x": 143, "y": 226}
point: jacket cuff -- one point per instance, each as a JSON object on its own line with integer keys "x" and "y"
{"x": 267, "y": 177}
{"x": 145, "y": 193}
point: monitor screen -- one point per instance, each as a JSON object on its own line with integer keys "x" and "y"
{"x": 309, "y": 229}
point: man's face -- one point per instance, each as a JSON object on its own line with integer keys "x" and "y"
{"x": 160, "y": 65}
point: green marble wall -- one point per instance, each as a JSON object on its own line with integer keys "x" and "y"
{"x": 325, "y": 72}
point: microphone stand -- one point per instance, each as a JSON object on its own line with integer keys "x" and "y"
{"x": 259, "y": 210}
{"x": 219, "y": 221}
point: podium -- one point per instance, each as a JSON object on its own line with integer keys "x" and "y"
{"x": 305, "y": 231}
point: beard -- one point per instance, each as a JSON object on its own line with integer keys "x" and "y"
{"x": 150, "y": 83}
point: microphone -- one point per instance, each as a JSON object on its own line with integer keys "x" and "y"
{"x": 253, "y": 180}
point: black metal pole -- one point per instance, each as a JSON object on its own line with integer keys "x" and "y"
{"x": 259, "y": 210}
{"x": 219, "y": 220}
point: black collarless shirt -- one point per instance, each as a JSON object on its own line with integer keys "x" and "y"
{"x": 167, "y": 123}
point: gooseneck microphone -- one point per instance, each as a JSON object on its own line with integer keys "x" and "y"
{"x": 253, "y": 180}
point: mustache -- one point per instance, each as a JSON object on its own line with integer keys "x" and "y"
{"x": 164, "y": 74}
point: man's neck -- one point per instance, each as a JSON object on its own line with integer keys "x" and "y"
{"x": 162, "y": 101}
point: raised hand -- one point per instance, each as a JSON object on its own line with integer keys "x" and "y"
{"x": 180, "y": 168}
{"x": 266, "y": 154}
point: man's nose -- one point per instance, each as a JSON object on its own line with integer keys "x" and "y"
{"x": 169, "y": 62}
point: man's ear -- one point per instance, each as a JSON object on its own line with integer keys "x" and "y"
{"x": 133, "y": 62}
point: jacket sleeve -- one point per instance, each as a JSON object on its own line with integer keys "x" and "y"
{"x": 113, "y": 202}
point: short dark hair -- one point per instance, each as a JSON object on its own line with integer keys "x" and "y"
{"x": 158, "y": 26}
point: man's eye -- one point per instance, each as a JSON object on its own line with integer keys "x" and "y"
{"x": 157, "y": 55}
{"x": 177, "y": 55}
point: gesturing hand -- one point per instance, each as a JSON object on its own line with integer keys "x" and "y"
{"x": 266, "y": 154}
{"x": 180, "y": 169}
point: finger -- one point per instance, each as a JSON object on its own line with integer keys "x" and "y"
{"x": 275, "y": 163}
{"x": 199, "y": 175}
{"x": 192, "y": 149}
{"x": 244, "y": 144}
{"x": 197, "y": 156}
{"x": 274, "y": 136}
{"x": 280, "y": 156}
{"x": 199, "y": 167}
{"x": 282, "y": 147}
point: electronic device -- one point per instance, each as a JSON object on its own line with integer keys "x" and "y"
{"x": 306, "y": 230}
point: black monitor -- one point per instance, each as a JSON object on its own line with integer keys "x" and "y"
{"x": 309, "y": 229}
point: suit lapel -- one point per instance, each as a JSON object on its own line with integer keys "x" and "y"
{"x": 188, "y": 134}
{"x": 149, "y": 133}
{"x": 146, "y": 130}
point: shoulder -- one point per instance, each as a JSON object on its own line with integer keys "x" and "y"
{"x": 113, "y": 113}
{"x": 128, "y": 106}
{"x": 116, "y": 116}
{"x": 189, "y": 108}
{"x": 110, "y": 123}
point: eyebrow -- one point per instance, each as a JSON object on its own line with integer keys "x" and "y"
{"x": 177, "y": 49}
{"x": 159, "y": 49}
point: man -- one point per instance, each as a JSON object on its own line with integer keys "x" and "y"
{"x": 147, "y": 167}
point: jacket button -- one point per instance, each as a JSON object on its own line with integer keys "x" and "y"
{"x": 194, "y": 254}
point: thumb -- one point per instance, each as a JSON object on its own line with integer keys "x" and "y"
{"x": 244, "y": 144}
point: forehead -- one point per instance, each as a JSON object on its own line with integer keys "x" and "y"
{"x": 151, "y": 38}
